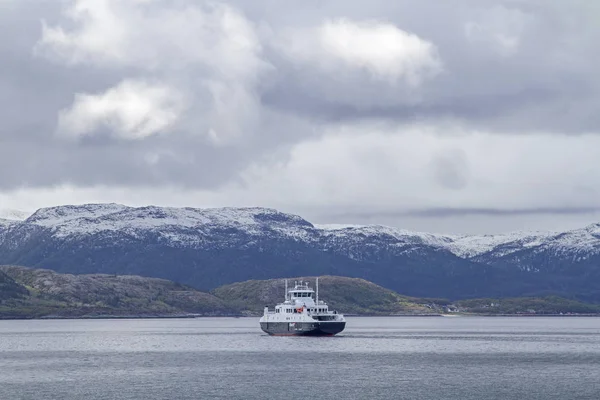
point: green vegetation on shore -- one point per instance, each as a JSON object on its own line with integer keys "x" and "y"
{"x": 347, "y": 295}
{"x": 547, "y": 305}
{"x": 45, "y": 293}
{"x": 9, "y": 289}
{"x": 39, "y": 293}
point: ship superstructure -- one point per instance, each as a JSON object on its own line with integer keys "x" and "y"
{"x": 302, "y": 313}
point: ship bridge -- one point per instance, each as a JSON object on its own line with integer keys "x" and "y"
{"x": 301, "y": 293}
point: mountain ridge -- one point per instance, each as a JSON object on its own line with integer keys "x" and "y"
{"x": 466, "y": 246}
{"x": 207, "y": 248}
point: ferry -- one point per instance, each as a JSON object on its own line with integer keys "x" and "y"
{"x": 302, "y": 314}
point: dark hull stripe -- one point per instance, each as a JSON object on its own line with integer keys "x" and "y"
{"x": 302, "y": 328}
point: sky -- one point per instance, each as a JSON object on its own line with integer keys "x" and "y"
{"x": 461, "y": 116}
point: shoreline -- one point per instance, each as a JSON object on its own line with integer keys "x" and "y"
{"x": 197, "y": 316}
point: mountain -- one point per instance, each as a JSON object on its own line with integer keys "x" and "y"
{"x": 565, "y": 263}
{"x": 39, "y": 293}
{"x": 347, "y": 295}
{"x": 13, "y": 215}
{"x": 9, "y": 217}
{"x": 208, "y": 248}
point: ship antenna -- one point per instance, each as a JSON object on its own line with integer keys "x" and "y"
{"x": 286, "y": 293}
{"x": 317, "y": 292}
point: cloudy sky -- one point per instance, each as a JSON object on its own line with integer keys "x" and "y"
{"x": 454, "y": 116}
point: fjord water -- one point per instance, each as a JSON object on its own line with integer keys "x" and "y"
{"x": 374, "y": 358}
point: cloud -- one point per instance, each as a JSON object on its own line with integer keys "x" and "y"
{"x": 210, "y": 52}
{"x": 130, "y": 110}
{"x": 414, "y": 167}
{"x": 149, "y": 34}
{"x": 379, "y": 48}
{"x": 499, "y": 28}
{"x": 462, "y": 212}
{"x": 348, "y": 108}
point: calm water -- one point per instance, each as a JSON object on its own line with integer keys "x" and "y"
{"x": 374, "y": 358}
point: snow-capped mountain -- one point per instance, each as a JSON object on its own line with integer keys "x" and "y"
{"x": 13, "y": 215}
{"x": 176, "y": 226}
{"x": 210, "y": 247}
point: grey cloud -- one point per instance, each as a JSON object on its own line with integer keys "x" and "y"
{"x": 451, "y": 169}
{"x": 550, "y": 83}
{"x": 464, "y": 212}
{"x": 33, "y": 90}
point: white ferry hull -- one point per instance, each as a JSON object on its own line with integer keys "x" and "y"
{"x": 323, "y": 328}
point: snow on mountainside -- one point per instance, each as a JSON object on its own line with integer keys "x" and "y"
{"x": 189, "y": 225}
{"x": 579, "y": 243}
{"x": 582, "y": 242}
{"x": 13, "y": 215}
{"x": 207, "y": 248}
{"x": 62, "y": 215}
{"x": 398, "y": 235}
{"x": 576, "y": 245}
{"x": 464, "y": 246}
{"x": 472, "y": 246}
{"x": 68, "y": 221}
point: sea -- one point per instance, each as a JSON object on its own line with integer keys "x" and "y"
{"x": 231, "y": 358}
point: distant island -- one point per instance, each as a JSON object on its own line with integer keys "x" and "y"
{"x": 39, "y": 293}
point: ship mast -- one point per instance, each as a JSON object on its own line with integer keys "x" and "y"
{"x": 317, "y": 285}
{"x": 286, "y": 293}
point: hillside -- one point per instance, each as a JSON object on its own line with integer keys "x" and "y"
{"x": 553, "y": 305}
{"x": 9, "y": 289}
{"x": 208, "y": 248}
{"x": 348, "y": 295}
{"x": 38, "y": 293}
{"x": 42, "y": 293}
